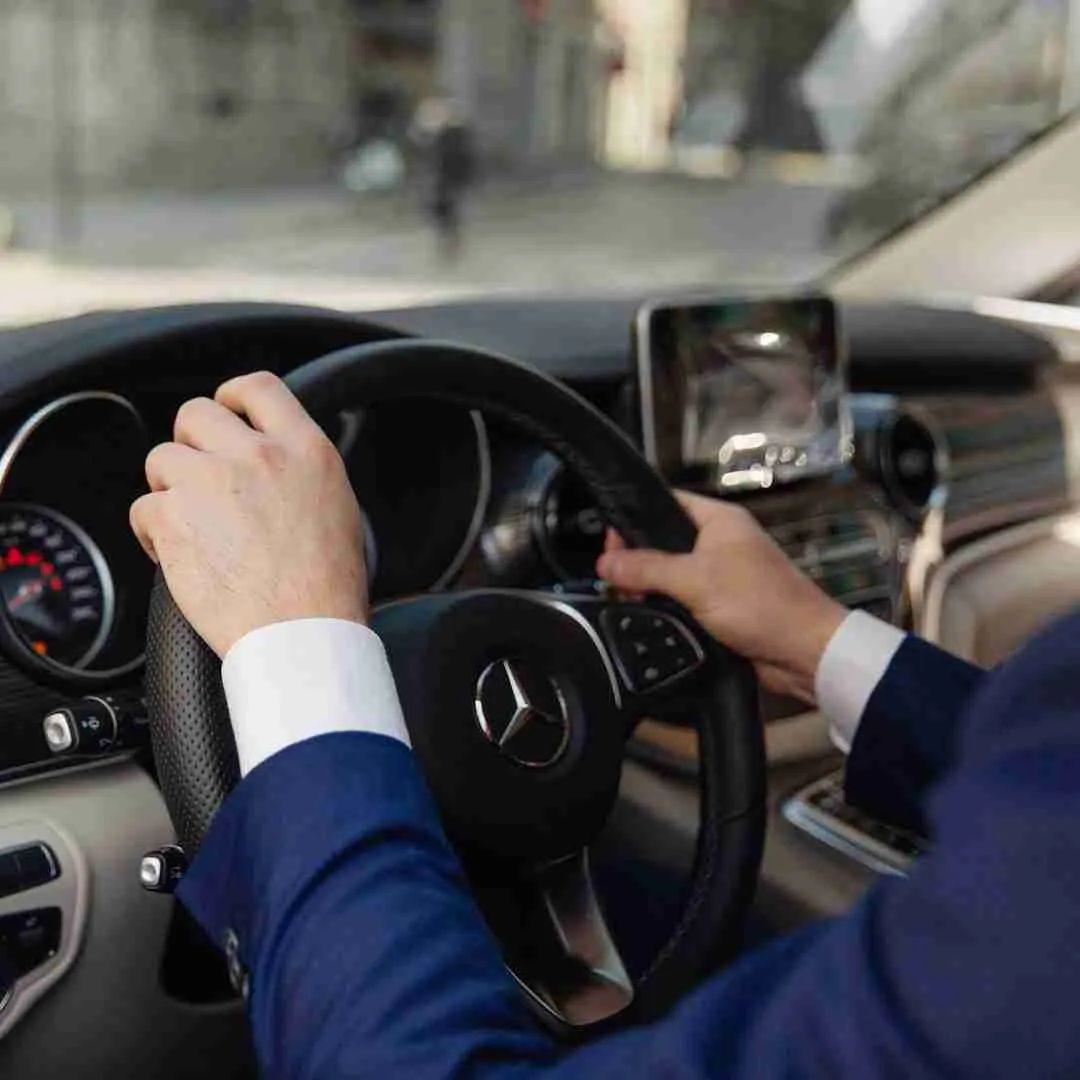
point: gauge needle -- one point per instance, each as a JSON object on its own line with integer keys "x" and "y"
{"x": 29, "y": 590}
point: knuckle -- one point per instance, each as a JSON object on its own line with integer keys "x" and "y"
{"x": 144, "y": 513}
{"x": 255, "y": 381}
{"x": 137, "y": 512}
{"x": 159, "y": 453}
{"x": 188, "y": 413}
{"x": 153, "y": 459}
{"x": 268, "y": 453}
{"x": 317, "y": 449}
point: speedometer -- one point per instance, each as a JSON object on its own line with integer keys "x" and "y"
{"x": 55, "y": 584}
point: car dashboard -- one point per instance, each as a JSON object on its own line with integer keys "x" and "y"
{"x": 453, "y": 499}
{"x": 961, "y": 429}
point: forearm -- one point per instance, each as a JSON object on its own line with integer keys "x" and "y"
{"x": 368, "y": 957}
{"x": 363, "y": 944}
{"x": 908, "y": 736}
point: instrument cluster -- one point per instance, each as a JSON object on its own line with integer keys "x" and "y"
{"x": 73, "y": 580}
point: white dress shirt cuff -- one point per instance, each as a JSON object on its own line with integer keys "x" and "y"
{"x": 291, "y": 681}
{"x": 854, "y": 661}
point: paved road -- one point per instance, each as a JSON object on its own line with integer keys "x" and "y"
{"x": 321, "y": 246}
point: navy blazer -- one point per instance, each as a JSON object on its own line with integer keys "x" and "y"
{"x": 368, "y": 957}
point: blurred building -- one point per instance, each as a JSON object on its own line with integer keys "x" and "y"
{"x": 646, "y": 90}
{"x": 189, "y": 92}
{"x": 531, "y": 76}
{"x": 204, "y": 93}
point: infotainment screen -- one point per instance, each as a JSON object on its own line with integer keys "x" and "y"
{"x": 742, "y": 393}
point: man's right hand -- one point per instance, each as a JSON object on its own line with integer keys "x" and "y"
{"x": 742, "y": 588}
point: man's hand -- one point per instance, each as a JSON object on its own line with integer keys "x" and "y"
{"x": 742, "y": 588}
{"x": 251, "y": 515}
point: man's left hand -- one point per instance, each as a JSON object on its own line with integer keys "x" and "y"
{"x": 251, "y": 515}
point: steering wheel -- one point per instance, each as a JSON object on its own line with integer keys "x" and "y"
{"x": 520, "y": 704}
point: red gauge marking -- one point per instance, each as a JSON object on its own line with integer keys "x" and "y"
{"x": 40, "y": 648}
{"x": 14, "y": 557}
{"x": 56, "y": 584}
{"x": 33, "y": 558}
{"x": 47, "y": 568}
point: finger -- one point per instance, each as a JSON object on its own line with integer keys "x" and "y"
{"x": 613, "y": 541}
{"x": 207, "y": 425}
{"x": 699, "y": 507}
{"x": 144, "y": 516}
{"x": 173, "y": 463}
{"x": 648, "y": 571}
{"x": 267, "y": 404}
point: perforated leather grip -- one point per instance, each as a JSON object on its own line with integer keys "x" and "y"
{"x": 189, "y": 723}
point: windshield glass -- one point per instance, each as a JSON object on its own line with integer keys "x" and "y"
{"x": 373, "y": 152}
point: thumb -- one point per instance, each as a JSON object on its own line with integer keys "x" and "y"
{"x": 646, "y": 571}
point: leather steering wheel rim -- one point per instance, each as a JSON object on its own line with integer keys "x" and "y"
{"x": 193, "y": 745}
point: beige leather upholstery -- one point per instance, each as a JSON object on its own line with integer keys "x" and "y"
{"x": 990, "y": 597}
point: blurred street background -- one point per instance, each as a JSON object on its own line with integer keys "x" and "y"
{"x": 366, "y": 152}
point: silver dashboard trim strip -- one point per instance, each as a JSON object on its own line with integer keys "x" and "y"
{"x": 845, "y": 841}
{"x": 800, "y": 812}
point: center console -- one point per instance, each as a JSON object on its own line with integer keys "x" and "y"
{"x": 747, "y": 398}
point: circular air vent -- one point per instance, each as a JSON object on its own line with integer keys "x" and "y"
{"x": 912, "y": 461}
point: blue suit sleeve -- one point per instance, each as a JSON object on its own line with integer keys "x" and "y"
{"x": 909, "y": 734}
{"x": 369, "y": 959}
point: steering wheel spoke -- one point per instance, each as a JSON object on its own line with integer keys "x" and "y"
{"x": 657, "y": 655}
{"x": 566, "y": 959}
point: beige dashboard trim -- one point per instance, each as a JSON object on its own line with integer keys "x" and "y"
{"x": 69, "y": 892}
{"x": 930, "y": 624}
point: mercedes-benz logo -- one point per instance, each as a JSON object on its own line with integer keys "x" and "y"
{"x": 522, "y": 713}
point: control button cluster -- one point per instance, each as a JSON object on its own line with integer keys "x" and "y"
{"x": 26, "y": 868}
{"x": 88, "y": 727}
{"x": 29, "y": 939}
{"x": 651, "y": 647}
{"x": 95, "y": 726}
{"x": 830, "y": 799}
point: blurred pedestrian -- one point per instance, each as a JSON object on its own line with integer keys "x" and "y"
{"x": 444, "y": 135}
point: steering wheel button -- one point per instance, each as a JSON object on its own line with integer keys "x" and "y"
{"x": 651, "y": 647}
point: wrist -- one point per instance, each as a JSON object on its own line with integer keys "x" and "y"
{"x": 282, "y": 617}
{"x": 815, "y": 629}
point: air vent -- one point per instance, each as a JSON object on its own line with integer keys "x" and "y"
{"x": 850, "y": 555}
{"x": 912, "y": 463}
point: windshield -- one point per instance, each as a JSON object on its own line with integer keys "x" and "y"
{"x": 365, "y": 153}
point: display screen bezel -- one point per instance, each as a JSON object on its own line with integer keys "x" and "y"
{"x": 668, "y": 460}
